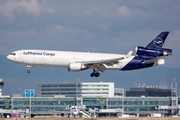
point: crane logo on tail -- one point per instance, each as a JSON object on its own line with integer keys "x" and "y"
{"x": 158, "y": 42}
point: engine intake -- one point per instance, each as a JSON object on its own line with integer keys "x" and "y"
{"x": 76, "y": 67}
{"x": 152, "y": 52}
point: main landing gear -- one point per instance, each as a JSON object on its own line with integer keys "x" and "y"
{"x": 28, "y": 71}
{"x": 96, "y": 74}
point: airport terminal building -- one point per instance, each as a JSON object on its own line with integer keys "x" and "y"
{"x": 148, "y": 92}
{"x": 101, "y": 97}
{"x": 143, "y": 106}
{"x": 99, "y": 89}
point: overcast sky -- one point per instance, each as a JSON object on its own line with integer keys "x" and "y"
{"x": 88, "y": 25}
{"x": 109, "y": 26}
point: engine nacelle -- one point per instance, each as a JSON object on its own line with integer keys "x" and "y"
{"x": 152, "y": 52}
{"x": 76, "y": 67}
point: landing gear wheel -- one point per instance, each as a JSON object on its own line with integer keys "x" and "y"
{"x": 92, "y": 74}
{"x": 28, "y": 71}
{"x": 97, "y": 74}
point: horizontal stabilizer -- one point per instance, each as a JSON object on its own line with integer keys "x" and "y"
{"x": 152, "y": 60}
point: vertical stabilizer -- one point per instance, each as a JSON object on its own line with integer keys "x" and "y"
{"x": 158, "y": 41}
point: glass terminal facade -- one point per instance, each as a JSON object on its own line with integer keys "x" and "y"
{"x": 103, "y": 89}
{"x": 132, "y": 105}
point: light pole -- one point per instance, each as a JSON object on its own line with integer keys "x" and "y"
{"x": 30, "y": 104}
{"x": 123, "y": 102}
{"x": 29, "y": 93}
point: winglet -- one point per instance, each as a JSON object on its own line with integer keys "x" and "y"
{"x": 129, "y": 54}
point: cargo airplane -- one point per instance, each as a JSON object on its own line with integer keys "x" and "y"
{"x": 150, "y": 55}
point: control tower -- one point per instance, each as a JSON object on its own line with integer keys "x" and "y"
{"x": 1, "y": 86}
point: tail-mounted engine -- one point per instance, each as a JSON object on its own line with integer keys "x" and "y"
{"x": 76, "y": 67}
{"x": 152, "y": 52}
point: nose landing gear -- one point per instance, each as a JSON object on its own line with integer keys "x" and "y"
{"x": 28, "y": 71}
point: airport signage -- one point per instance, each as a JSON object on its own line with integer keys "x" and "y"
{"x": 29, "y": 93}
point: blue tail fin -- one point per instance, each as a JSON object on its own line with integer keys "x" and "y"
{"x": 158, "y": 41}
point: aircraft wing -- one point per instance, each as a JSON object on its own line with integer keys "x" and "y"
{"x": 106, "y": 61}
{"x": 103, "y": 61}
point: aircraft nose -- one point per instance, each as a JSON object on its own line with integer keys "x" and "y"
{"x": 9, "y": 57}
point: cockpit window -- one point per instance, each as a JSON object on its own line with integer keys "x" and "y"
{"x": 13, "y": 54}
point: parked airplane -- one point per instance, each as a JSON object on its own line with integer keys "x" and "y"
{"x": 151, "y": 55}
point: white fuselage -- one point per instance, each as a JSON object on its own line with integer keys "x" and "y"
{"x": 63, "y": 58}
{"x": 148, "y": 56}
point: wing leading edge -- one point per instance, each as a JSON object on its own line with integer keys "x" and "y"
{"x": 98, "y": 64}
{"x": 103, "y": 61}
